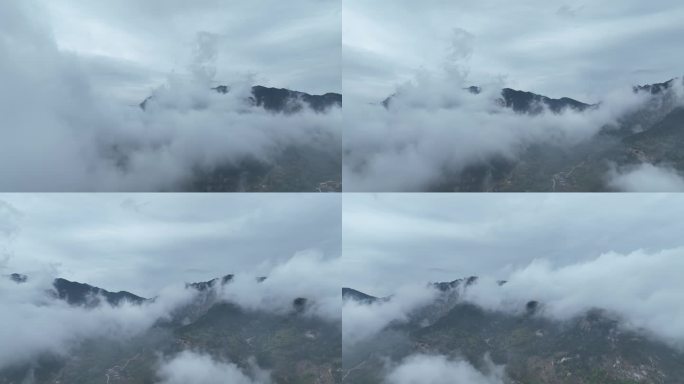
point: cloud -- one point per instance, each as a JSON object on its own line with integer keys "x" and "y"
{"x": 550, "y": 47}
{"x": 34, "y": 323}
{"x": 140, "y": 243}
{"x": 62, "y": 133}
{"x": 644, "y": 289}
{"x": 363, "y": 320}
{"x": 307, "y": 275}
{"x": 294, "y": 45}
{"x": 198, "y": 368}
{"x": 438, "y": 369}
{"x": 392, "y": 239}
{"x": 433, "y": 128}
{"x": 646, "y": 177}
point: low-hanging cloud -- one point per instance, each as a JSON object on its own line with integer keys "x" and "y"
{"x": 308, "y": 275}
{"x": 60, "y": 133}
{"x": 646, "y": 177}
{"x": 438, "y": 369}
{"x": 198, "y": 368}
{"x": 363, "y": 320}
{"x": 644, "y": 289}
{"x": 433, "y": 127}
{"x": 34, "y": 323}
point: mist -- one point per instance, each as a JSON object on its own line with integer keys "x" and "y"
{"x": 307, "y": 274}
{"x": 35, "y": 323}
{"x": 438, "y": 369}
{"x": 646, "y": 177}
{"x": 198, "y": 368}
{"x": 643, "y": 289}
{"x": 433, "y": 127}
{"x": 362, "y": 321}
{"x": 63, "y": 133}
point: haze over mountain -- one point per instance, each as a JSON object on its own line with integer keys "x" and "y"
{"x": 448, "y": 68}
{"x": 196, "y": 333}
{"x": 450, "y": 338}
{"x": 466, "y": 142}
{"x": 65, "y": 84}
{"x": 569, "y": 288}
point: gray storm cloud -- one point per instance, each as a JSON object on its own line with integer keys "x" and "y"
{"x": 643, "y": 289}
{"x": 198, "y": 368}
{"x": 438, "y": 369}
{"x": 61, "y": 133}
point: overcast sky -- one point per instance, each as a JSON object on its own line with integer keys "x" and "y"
{"x": 579, "y": 49}
{"x": 144, "y": 242}
{"x": 391, "y": 240}
{"x": 130, "y": 46}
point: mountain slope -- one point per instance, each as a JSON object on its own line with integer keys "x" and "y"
{"x": 295, "y": 346}
{"x": 650, "y": 134}
{"x": 589, "y": 349}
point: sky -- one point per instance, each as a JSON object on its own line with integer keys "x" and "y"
{"x": 579, "y": 49}
{"x": 395, "y": 240}
{"x": 142, "y": 243}
{"x": 129, "y": 47}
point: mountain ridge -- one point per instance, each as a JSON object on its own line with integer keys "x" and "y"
{"x": 279, "y": 100}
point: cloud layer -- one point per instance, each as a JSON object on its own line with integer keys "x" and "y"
{"x": 141, "y": 243}
{"x": 433, "y": 128}
{"x": 306, "y": 275}
{"x": 644, "y": 289}
{"x": 33, "y": 323}
{"x": 64, "y": 133}
{"x": 393, "y": 239}
{"x": 557, "y": 48}
{"x": 426, "y": 56}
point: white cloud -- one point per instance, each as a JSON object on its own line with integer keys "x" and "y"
{"x": 550, "y": 47}
{"x": 198, "y": 368}
{"x": 646, "y": 178}
{"x": 61, "y": 132}
{"x": 434, "y": 127}
{"x": 140, "y": 243}
{"x": 437, "y": 369}
{"x": 363, "y": 320}
{"x": 392, "y": 239}
{"x": 306, "y": 275}
{"x": 34, "y": 323}
{"x": 644, "y": 289}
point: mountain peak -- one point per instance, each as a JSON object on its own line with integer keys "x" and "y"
{"x": 76, "y": 293}
{"x": 353, "y": 294}
{"x": 206, "y": 285}
{"x": 532, "y": 103}
{"x": 523, "y": 101}
{"x": 656, "y": 88}
{"x": 449, "y": 285}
